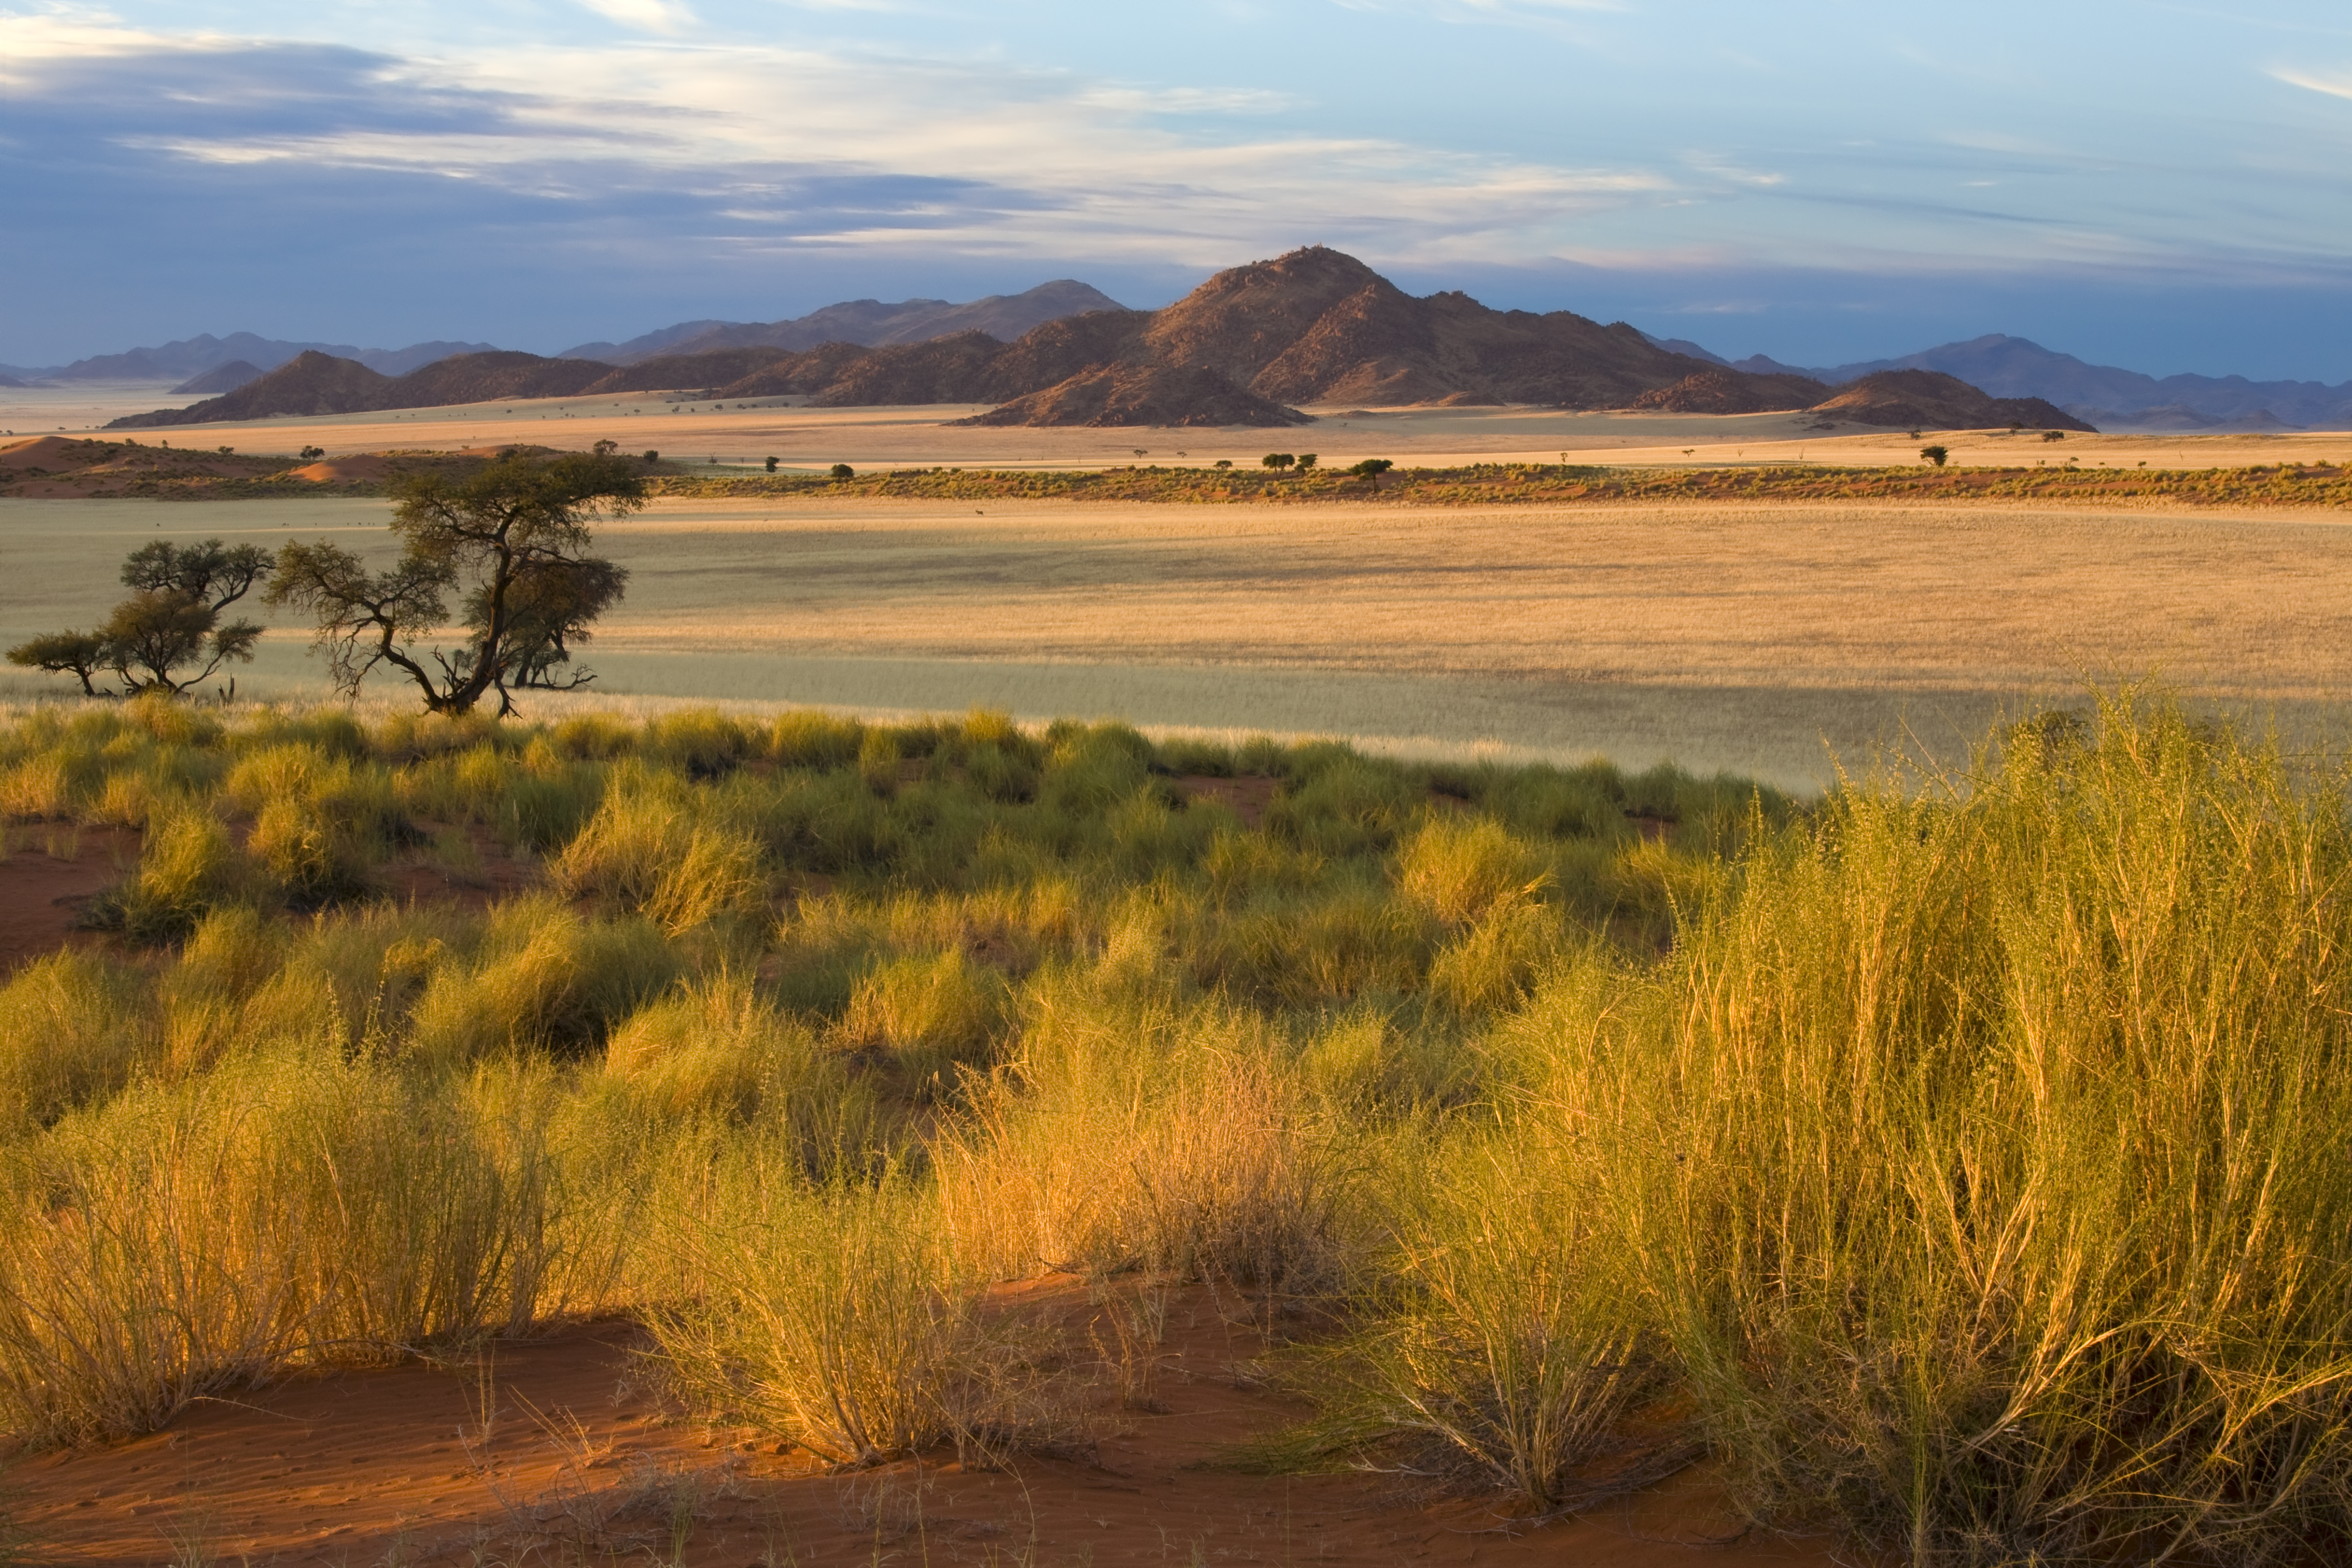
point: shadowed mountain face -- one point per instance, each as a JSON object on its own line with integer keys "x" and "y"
{"x": 1159, "y": 395}
{"x": 1314, "y": 326}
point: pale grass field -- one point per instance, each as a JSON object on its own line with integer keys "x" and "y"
{"x": 805, "y": 437}
{"x": 1760, "y": 638}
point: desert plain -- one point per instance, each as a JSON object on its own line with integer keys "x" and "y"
{"x": 1778, "y": 640}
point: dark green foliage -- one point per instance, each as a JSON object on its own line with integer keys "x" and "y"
{"x": 512, "y": 537}
{"x": 172, "y": 620}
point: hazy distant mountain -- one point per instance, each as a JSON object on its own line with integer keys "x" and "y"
{"x": 191, "y": 357}
{"x": 870, "y": 323}
{"x": 223, "y": 377}
{"x": 1685, "y": 346}
{"x": 2106, "y": 395}
{"x": 8, "y": 380}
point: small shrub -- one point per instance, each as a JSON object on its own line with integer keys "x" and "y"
{"x": 832, "y": 1317}
{"x": 808, "y": 737}
{"x": 73, "y": 1026}
{"x": 931, "y": 1015}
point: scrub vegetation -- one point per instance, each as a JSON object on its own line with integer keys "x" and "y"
{"x": 1958, "y": 1167}
{"x": 1490, "y": 484}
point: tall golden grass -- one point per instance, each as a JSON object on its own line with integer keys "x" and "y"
{"x": 1960, "y": 1166}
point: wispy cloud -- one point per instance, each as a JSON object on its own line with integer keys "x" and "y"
{"x": 1034, "y": 163}
{"x": 2338, "y": 85}
{"x": 665, "y": 16}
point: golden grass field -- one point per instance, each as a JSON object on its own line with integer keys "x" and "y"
{"x": 1755, "y": 637}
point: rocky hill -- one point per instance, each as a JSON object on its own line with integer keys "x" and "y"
{"x": 1924, "y": 399}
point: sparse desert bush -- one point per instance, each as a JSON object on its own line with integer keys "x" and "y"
{"x": 72, "y": 1025}
{"x": 832, "y": 1315}
{"x": 1131, "y": 1136}
{"x": 931, "y": 1014}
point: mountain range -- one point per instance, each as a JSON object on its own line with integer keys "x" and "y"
{"x": 2106, "y": 395}
{"x": 1312, "y": 326}
{"x": 192, "y": 357}
{"x": 870, "y": 323}
{"x": 2004, "y": 367}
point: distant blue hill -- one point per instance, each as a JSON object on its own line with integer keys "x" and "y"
{"x": 192, "y": 357}
{"x": 2106, "y": 395}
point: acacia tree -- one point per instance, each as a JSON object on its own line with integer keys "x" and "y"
{"x": 513, "y": 539}
{"x": 173, "y": 619}
{"x": 546, "y": 614}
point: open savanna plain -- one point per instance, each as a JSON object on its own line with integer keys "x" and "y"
{"x": 1761, "y": 637}
{"x": 1017, "y": 1031}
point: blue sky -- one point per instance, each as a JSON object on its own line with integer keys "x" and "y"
{"x": 2163, "y": 186}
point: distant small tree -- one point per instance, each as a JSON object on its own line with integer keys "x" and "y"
{"x": 311, "y": 454}
{"x": 1224, "y": 462}
{"x": 652, "y": 457}
{"x": 2054, "y": 435}
{"x": 1277, "y": 460}
{"x": 771, "y": 465}
{"x": 172, "y": 620}
{"x": 843, "y": 471}
{"x": 601, "y": 448}
{"x": 1936, "y": 454}
{"x": 1306, "y": 461}
{"x": 514, "y": 537}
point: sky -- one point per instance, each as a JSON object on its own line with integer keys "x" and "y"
{"x": 2162, "y": 185}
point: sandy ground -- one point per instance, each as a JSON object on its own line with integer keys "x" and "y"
{"x": 83, "y": 406}
{"x": 742, "y": 435}
{"x": 48, "y": 874}
{"x": 560, "y": 1452}
{"x": 1756, "y": 638}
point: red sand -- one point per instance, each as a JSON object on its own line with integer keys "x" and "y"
{"x": 45, "y": 884}
{"x": 1246, "y": 798}
{"x": 423, "y": 881}
{"x": 580, "y": 1460}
